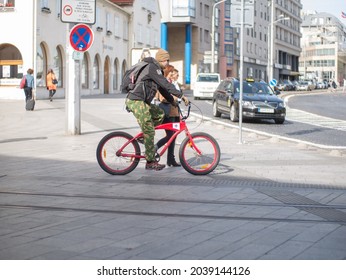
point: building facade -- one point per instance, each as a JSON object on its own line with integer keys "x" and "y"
{"x": 285, "y": 18}
{"x": 324, "y": 48}
{"x": 185, "y": 33}
{"x": 42, "y": 42}
{"x": 144, "y": 26}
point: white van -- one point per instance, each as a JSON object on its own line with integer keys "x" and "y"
{"x": 205, "y": 85}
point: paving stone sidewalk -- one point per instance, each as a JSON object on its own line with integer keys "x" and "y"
{"x": 268, "y": 199}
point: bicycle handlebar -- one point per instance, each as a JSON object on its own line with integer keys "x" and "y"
{"x": 180, "y": 112}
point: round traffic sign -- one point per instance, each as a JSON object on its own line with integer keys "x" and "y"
{"x": 67, "y": 10}
{"x": 81, "y": 37}
{"x": 273, "y": 82}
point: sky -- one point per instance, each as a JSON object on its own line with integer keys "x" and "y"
{"x": 334, "y": 7}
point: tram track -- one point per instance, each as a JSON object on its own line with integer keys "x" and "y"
{"x": 192, "y": 201}
{"x": 325, "y": 213}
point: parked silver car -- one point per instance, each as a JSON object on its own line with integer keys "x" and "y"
{"x": 305, "y": 86}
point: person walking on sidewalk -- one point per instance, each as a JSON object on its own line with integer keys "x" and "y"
{"x": 51, "y": 83}
{"x": 139, "y": 99}
{"x": 29, "y": 85}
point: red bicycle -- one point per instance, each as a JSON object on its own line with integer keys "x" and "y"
{"x": 119, "y": 153}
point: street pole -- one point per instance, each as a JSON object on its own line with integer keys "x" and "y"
{"x": 271, "y": 53}
{"x": 212, "y": 67}
{"x": 241, "y": 78}
{"x": 72, "y": 90}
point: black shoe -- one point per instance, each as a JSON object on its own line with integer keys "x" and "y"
{"x": 173, "y": 163}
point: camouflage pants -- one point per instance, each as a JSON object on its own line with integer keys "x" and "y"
{"x": 148, "y": 116}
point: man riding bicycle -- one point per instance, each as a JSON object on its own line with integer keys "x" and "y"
{"x": 139, "y": 102}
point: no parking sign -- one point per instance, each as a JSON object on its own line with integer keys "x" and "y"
{"x": 273, "y": 82}
{"x": 81, "y": 37}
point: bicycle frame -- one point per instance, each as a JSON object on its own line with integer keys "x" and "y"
{"x": 199, "y": 152}
{"x": 178, "y": 127}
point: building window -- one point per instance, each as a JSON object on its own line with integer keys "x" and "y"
{"x": 117, "y": 27}
{"x": 45, "y": 6}
{"x": 206, "y": 36}
{"x": 125, "y": 30}
{"x": 57, "y": 66}
{"x": 206, "y": 11}
{"x": 156, "y": 40}
{"x": 96, "y": 76}
{"x": 229, "y": 54}
{"x": 183, "y": 8}
{"x": 7, "y": 4}
{"x": 11, "y": 63}
{"x": 140, "y": 33}
{"x": 85, "y": 71}
{"x": 148, "y": 37}
{"x": 108, "y": 24}
{"x": 228, "y": 9}
{"x": 115, "y": 74}
{"x": 228, "y": 32}
{"x": 41, "y": 66}
{"x": 98, "y": 23}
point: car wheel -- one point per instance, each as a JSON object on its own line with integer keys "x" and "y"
{"x": 233, "y": 115}
{"x": 279, "y": 121}
{"x": 196, "y": 98}
{"x": 216, "y": 113}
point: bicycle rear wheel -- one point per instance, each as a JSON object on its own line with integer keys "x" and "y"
{"x": 204, "y": 158}
{"x": 108, "y": 159}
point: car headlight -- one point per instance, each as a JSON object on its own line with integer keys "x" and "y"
{"x": 282, "y": 104}
{"x": 247, "y": 104}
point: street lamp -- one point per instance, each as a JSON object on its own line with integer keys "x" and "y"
{"x": 212, "y": 68}
{"x": 271, "y": 41}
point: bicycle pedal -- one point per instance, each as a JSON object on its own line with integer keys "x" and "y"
{"x": 140, "y": 140}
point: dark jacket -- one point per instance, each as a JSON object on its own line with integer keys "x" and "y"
{"x": 151, "y": 80}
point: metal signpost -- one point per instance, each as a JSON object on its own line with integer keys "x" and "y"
{"x": 79, "y": 39}
{"x": 242, "y": 13}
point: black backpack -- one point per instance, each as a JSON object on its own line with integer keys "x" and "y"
{"x": 130, "y": 78}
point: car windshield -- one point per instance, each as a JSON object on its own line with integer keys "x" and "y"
{"x": 254, "y": 87}
{"x": 208, "y": 78}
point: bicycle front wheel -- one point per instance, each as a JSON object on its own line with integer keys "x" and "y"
{"x": 201, "y": 155}
{"x": 108, "y": 159}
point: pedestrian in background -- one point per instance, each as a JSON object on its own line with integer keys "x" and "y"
{"x": 334, "y": 86}
{"x": 51, "y": 83}
{"x": 29, "y": 85}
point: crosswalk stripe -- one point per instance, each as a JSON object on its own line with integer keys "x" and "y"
{"x": 313, "y": 119}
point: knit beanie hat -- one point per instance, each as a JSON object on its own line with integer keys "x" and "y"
{"x": 162, "y": 55}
